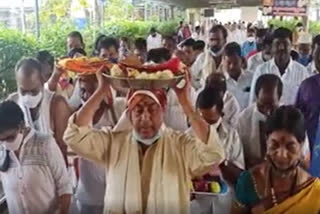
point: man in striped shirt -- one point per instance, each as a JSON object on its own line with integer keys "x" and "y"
{"x": 291, "y": 73}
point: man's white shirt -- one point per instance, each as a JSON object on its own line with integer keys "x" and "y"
{"x": 34, "y": 183}
{"x": 312, "y": 68}
{"x": 154, "y": 42}
{"x": 291, "y": 79}
{"x": 238, "y": 36}
{"x": 255, "y": 61}
{"x": 240, "y": 88}
{"x": 174, "y": 116}
{"x": 196, "y": 71}
{"x": 249, "y": 133}
{"x": 230, "y": 141}
{"x": 231, "y": 108}
{"x": 208, "y": 64}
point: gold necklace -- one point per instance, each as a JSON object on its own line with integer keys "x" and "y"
{"x": 274, "y": 198}
{"x": 273, "y": 193}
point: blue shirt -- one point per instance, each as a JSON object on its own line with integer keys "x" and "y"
{"x": 248, "y": 47}
{"x": 308, "y": 101}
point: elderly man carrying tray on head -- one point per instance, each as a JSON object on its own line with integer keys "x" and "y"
{"x": 149, "y": 167}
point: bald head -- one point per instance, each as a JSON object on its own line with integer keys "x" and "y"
{"x": 88, "y": 85}
{"x": 28, "y": 76}
{"x": 216, "y": 80}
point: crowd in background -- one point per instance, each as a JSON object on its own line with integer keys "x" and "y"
{"x": 258, "y": 88}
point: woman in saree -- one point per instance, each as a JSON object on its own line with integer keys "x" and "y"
{"x": 279, "y": 185}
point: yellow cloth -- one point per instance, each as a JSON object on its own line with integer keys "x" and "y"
{"x": 209, "y": 65}
{"x": 175, "y": 157}
{"x": 307, "y": 201}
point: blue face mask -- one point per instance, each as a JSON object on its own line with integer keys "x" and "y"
{"x": 304, "y": 59}
{"x": 146, "y": 142}
{"x": 113, "y": 60}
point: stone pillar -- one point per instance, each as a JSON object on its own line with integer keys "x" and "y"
{"x": 172, "y": 11}
{"x": 146, "y": 11}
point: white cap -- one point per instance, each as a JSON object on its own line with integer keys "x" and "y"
{"x": 305, "y": 38}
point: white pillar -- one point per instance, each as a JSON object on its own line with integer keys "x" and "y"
{"x": 37, "y": 18}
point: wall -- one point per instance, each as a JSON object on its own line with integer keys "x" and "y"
{"x": 193, "y": 15}
{"x": 249, "y": 14}
{"x": 228, "y": 15}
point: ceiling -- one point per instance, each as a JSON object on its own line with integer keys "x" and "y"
{"x": 211, "y": 3}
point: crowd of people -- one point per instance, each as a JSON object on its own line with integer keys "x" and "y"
{"x": 249, "y": 113}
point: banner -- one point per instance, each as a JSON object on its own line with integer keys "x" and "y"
{"x": 285, "y": 7}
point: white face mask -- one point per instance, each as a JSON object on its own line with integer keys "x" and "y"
{"x": 31, "y": 101}
{"x": 217, "y": 124}
{"x": 146, "y": 142}
{"x": 217, "y": 53}
{"x": 251, "y": 39}
{"x": 267, "y": 57}
{"x": 14, "y": 145}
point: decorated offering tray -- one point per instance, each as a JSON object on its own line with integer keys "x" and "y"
{"x": 128, "y": 74}
{"x": 123, "y": 82}
{"x": 84, "y": 65}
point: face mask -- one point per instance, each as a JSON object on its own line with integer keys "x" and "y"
{"x": 216, "y": 51}
{"x": 251, "y": 39}
{"x": 31, "y": 101}
{"x": 146, "y": 142}
{"x": 14, "y": 146}
{"x": 304, "y": 56}
{"x": 113, "y": 60}
{"x": 304, "y": 59}
{"x": 267, "y": 57}
{"x": 283, "y": 172}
